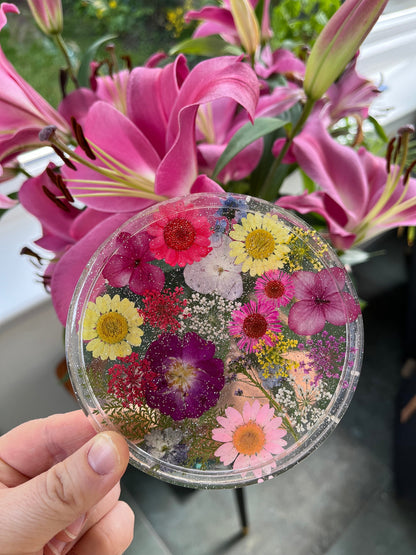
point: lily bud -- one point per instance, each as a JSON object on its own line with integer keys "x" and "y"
{"x": 338, "y": 43}
{"x": 246, "y": 24}
{"x": 48, "y": 15}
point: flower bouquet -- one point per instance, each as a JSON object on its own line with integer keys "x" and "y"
{"x": 218, "y": 332}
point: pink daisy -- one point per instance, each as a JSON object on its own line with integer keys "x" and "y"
{"x": 275, "y": 286}
{"x": 251, "y": 322}
{"x": 250, "y": 439}
{"x": 179, "y": 236}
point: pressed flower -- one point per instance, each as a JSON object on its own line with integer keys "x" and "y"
{"x": 233, "y": 209}
{"x": 167, "y": 445}
{"x": 250, "y": 438}
{"x": 128, "y": 379}
{"x": 216, "y": 273}
{"x": 259, "y": 243}
{"x": 251, "y": 323}
{"x": 179, "y": 236}
{"x": 273, "y": 357}
{"x": 131, "y": 265}
{"x": 162, "y": 309}
{"x": 320, "y": 299}
{"x": 275, "y": 286}
{"x": 326, "y": 356}
{"x": 209, "y": 316}
{"x": 111, "y": 326}
{"x": 189, "y": 378}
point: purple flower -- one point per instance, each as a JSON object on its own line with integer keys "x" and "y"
{"x": 130, "y": 266}
{"x": 188, "y": 377}
{"x": 321, "y": 300}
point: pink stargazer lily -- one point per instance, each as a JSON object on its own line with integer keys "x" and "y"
{"x": 6, "y": 7}
{"x": 71, "y": 234}
{"x": 151, "y": 155}
{"x": 338, "y": 42}
{"x": 111, "y": 89}
{"x": 222, "y": 21}
{"x": 358, "y": 197}
{"x": 23, "y": 113}
{"x": 48, "y": 15}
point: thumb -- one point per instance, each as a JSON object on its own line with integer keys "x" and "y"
{"x": 32, "y": 513}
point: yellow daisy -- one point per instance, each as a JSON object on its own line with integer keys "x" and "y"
{"x": 111, "y": 327}
{"x": 259, "y": 243}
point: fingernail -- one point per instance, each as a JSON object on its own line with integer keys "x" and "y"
{"x": 74, "y": 528}
{"x": 55, "y": 546}
{"x": 103, "y": 456}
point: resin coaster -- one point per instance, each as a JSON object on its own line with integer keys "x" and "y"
{"x": 220, "y": 335}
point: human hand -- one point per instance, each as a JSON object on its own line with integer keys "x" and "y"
{"x": 60, "y": 487}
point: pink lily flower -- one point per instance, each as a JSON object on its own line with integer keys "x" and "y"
{"x": 111, "y": 89}
{"x": 320, "y": 299}
{"x": 48, "y": 15}
{"x": 71, "y": 234}
{"x": 23, "y": 113}
{"x": 358, "y": 197}
{"x": 351, "y": 95}
{"x": 6, "y": 202}
{"x": 221, "y": 21}
{"x": 152, "y": 154}
{"x": 6, "y": 7}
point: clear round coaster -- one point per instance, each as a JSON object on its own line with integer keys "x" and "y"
{"x": 220, "y": 335}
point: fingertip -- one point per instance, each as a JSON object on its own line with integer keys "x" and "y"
{"x": 108, "y": 453}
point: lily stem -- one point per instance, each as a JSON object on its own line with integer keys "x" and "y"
{"x": 271, "y": 185}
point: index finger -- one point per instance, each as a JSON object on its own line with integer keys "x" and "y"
{"x": 35, "y": 446}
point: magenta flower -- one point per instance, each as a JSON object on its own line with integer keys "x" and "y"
{"x": 225, "y": 21}
{"x": 179, "y": 236}
{"x": 275, "y": 286}
{"x": 151, "y": 154}
{"x": 320, "y": 299}
{"x": 109, "y": 88}
{"x": 188, "y": 379}
{"x": 252, "y": 321}
{"x": 6, "y": 7}
{"x": 358, "y": 197}
{"x": 250, "y": 439}
{"x": 23, "y": 113}
{"x": 131, "y": 265}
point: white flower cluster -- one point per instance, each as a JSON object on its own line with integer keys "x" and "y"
{"x": 302, "y": 402}
{"x": 209, "y": 316}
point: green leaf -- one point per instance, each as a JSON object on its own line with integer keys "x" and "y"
{"x": 210, "y": 46}
{"x": 88, "y": 57}
{"x": 378, "y": 129}
{"x": 245, "y": 136}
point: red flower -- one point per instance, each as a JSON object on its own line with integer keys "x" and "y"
{"x": 162, "y": 308}
{"x": 180, "y": 236}
{"x": 129, "y": 378}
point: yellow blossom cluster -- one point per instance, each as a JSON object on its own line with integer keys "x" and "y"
{"x": 273, "y": 358}
{"x": 306, "y": 246}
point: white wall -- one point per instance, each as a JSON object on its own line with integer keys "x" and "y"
{"x": 31, "y": 345}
